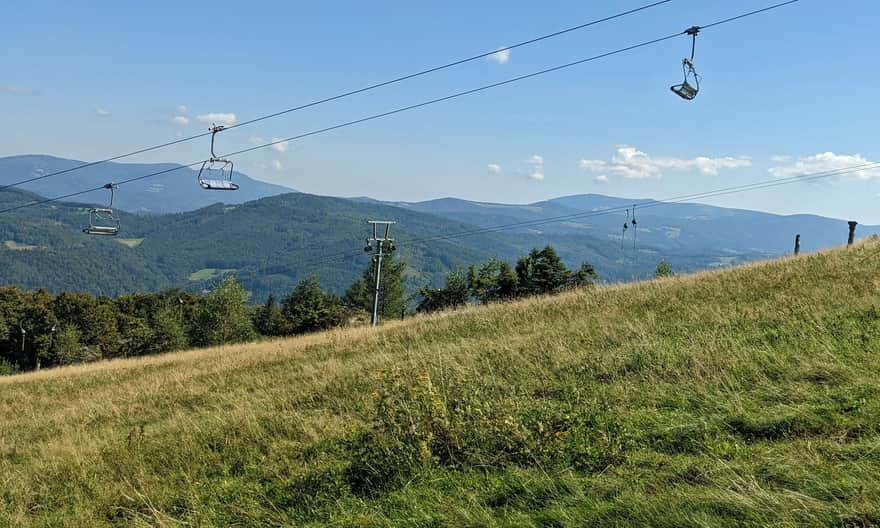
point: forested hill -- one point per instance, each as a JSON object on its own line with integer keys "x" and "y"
{"x": 273, "y": 242}
{"x": 270, "y": 244}
{"x": 172, "y": 192}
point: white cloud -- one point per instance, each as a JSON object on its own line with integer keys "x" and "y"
{"x": 180, "y": 120}
{"x": 494, "y": 168}
{"x": 218, "y": 118}
{"x": 14, "y": 89}
{"x": 276, "y": 164}
{"x": 537, "y": 167}
{"x": 181, "y": 109}
{"x": 279, "y": 146}
{"x": 827, "y": 161}
{"x": 602, "y": 178}
{"x": 780, "y": 158}
{"x": 501, "y": 56}
{"x": 103, "y": 112}
{"x": 630, "y": 162}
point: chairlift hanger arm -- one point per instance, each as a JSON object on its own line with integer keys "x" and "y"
{"x": 112, "y": 187}
{"x": 214, "y": 129}
{"x": 693, "y": 31}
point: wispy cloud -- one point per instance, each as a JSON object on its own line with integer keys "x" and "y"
{"x": 280, "y": 146}
{"x": 103, "y": 112}
{"x": 629, "y": 162}
{"x": 180, "y": 120}
{"x": 276, "y": 164}
{"x": 827, "y": 161}
{"x": 14, "y": 89}
{"x": 780, "y": 158}
{"x": 181, "y": 109}
{"x": 219, "y": 118}
{"x": 602, "y": 178}
{"x": 502, "y": 56}
{"x": 536, "y": 172}
{"x": 493, "y": 168}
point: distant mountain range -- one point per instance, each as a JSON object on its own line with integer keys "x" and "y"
{"x": 272, "y": 240}
{"x": 682, "y": 227}
{"x": 172, "y": 192}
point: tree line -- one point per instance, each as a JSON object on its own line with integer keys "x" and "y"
{"x": 540, "y": 272}
{"x": 40, "y": 330}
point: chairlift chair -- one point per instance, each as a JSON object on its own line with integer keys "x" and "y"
{"x": 102, "y": 220}
{"x": 690, "y": 86}
{"x": 215, "y": 165}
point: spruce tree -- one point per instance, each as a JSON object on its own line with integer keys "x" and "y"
{"x": 392, "y": 295}
{"x": 309, "y": 308}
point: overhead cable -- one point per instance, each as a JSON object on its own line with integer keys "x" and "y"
{"x": 343, "y": 95}
{"x": 407, "y": 108}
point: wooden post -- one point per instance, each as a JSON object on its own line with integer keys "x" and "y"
{"x": 797, "y": 245}
{"x": 852, "y": 232}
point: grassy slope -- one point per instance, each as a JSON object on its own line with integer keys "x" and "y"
{"x": 743, "y": 397}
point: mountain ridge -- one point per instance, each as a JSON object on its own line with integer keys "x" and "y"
{"x": 171, "y": 192}
{"x": 271, "y": 242}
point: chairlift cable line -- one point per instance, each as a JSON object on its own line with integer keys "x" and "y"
{"x": 350, "y": 93}
{"x": 406, "y": 108}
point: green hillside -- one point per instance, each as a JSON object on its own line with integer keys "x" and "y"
{"x": 272, "y": 243}
{"x": 743, "y": 397}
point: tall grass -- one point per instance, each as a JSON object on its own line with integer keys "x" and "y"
{"x": 743, "y": 397}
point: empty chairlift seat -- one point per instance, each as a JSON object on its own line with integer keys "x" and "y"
{"x": 223, "y": 173}
{"x": 103, "y": 220}
{"x": 216, "y": 173}
{"x": 690, "y": 86}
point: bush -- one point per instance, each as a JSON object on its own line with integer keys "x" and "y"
{"x": 224, "y": 317}
{"x": 664, "y": 269}
{"x": 7, "y": 368}
{"x": 67, "y": 347}
{"x": 419, "y": 425}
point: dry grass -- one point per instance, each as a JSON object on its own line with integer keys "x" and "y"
{"x": 744, "y": 396}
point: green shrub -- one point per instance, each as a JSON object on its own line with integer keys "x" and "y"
{"x": 7, "y": 368}
{"x": 419, "y": 424}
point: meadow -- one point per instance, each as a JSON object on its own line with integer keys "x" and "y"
{"x": 741, "y": 397}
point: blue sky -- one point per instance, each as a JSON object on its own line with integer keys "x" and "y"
{"x": 789, "y": 91}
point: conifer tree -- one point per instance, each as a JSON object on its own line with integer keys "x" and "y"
{"x": 392, "y": 296}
